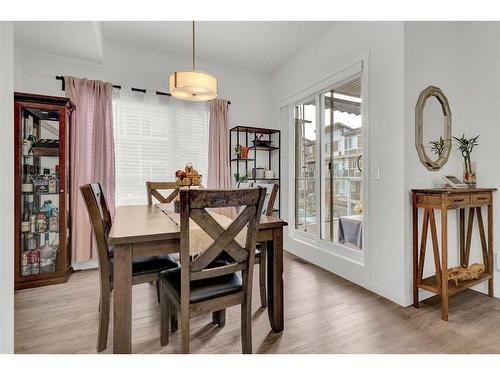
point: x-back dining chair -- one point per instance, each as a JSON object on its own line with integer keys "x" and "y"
{"x": 152, "y": 190}
{"x": 204, "y": 284}
{"x": 144, "y": 269}
{"x": 261, "y": 250}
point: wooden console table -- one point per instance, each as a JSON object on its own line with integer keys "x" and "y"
{"x": 444, "y": 200}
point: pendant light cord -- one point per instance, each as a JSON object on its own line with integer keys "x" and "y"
{"x": 193, "y": 47}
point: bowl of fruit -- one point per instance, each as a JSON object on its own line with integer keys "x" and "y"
{"x": 186, "y": 177}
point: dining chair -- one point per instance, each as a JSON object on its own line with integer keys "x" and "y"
{"x": 152, "y": 190}
{"x": 203, "y": 284}
{"x": 261, "y": 249}
{"x": 144, "y": 269}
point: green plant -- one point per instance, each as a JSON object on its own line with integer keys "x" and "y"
{"x": 239, "y": 178}
{"x": 439, "y": 146}
{"x": 465, "y": 146}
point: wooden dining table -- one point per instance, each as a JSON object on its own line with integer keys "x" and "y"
{"x": 145, "y": 230}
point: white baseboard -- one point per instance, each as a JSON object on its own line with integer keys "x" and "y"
{"x": 90, "y": 264}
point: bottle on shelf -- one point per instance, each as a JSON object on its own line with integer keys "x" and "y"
{"x": 48, "y": 207}
{"x": 43, "y": 216}
{"x": 35, "y": 261}
{"x": 26, "y": 256}
{"x": 52, "y": 183}
{"x": 47, "y": 263}
{"x": 25, "y": 263}
{"x": 28, "y": 204}
{"x": 41, "y": 183}
{"x": 25, "y": 148}
{"x": 54, "y": 221}
{"x": 27, "y": 183}
{"x": 31, "y": 135}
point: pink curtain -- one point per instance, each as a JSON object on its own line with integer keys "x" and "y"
{"x": 92, "y": 155}
{"x": 218, "y": 146}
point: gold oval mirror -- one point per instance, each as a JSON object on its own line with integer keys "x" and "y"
{"x": 433, "y": 128}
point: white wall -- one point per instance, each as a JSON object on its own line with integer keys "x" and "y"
{"x": 461, "y": 58}
{"x": 122, "y": 65}
{"x": 345, "y": 43}
{"x": 6, "y": 189}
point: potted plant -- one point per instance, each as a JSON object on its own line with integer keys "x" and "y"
{"x": 465, "y": 146}
{"x": 241, "y": 178}
{"x": 242, "y": 151}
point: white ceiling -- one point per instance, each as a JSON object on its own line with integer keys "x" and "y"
{"x": 78, "y": 39}
{"x": 257, "y": 45}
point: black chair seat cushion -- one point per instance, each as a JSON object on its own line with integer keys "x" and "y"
{"x": 202, "y": 290}
{"x": 150, "y": 264}
{"x": 258, "y": 250}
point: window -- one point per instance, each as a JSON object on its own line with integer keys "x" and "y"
{"x": 350, "y": 143}
{"x": 154, "y": 136}
{"x": 329, "y": 201}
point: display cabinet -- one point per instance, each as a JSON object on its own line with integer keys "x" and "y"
{"x": 42, "y": 193}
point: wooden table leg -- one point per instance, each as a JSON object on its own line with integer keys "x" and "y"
{"x": 122, "y": 308}
{"x": 462, "y": 236}
{"x": 491, "y": 268}
{"x": 275, "y": 280}
{"x": 415, "y": 251}
{"x": 444, "y": 260}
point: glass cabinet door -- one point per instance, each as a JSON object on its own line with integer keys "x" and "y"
{"x": 39, "y": 196}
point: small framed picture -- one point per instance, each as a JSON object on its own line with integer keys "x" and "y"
{"x": 454, "y": 182}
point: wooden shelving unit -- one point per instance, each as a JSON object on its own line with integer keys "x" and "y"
{"x": 244, "y": 135}
{"x": 42, "y": 216}
{"x": 430, "y": 283}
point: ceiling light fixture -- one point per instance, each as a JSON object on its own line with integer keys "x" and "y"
{"x": 193, "y": 84}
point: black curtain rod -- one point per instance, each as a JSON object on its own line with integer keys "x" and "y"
{"x": 63, "y": 88}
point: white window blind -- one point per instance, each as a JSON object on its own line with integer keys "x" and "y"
{"x": 154, "y": 136}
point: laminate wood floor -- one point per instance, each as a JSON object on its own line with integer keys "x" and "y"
{"x": 323, "y": 314}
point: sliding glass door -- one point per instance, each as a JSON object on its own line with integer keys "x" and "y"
{"x": 306, "y": 168}
{"x": 329, "y": 165}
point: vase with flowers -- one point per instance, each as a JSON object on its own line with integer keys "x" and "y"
{"x": 465, "y": 146}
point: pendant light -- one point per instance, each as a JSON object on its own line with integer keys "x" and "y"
{"x": 193, "y": 84}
